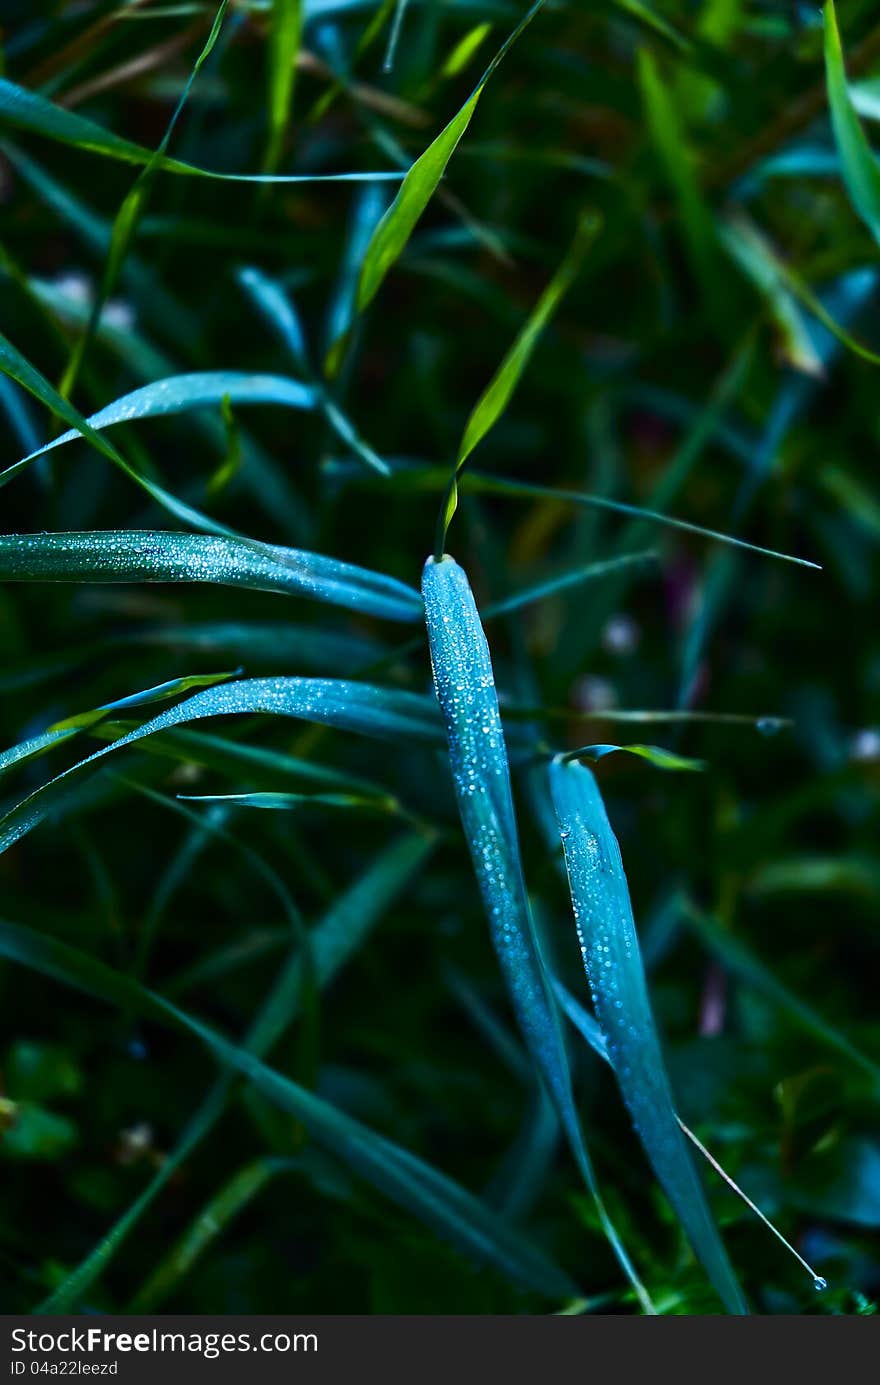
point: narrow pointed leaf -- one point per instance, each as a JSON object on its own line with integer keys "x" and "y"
{"x": 610, "y": 948}
{"x": 284, "y": 41}
{"x": 27, "y": 110}
{"x": 162, "y": 556}
{"x": 654, "y": 754}
{"x": 394, "y": 230}
{"x": 861, "y": 173}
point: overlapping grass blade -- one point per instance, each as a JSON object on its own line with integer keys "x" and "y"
{"x": 125, "y": 555}
{"x": 465, "y": 689}
{"x": 394, "y": 230}
{"x": 360, "y": 707}
{"x": 858, "y": 163}
{"x": 610, "y": 948}
{"x": 27, "y": 110}
{"x": 435, "y": 1199}
{"x": 499, "y": 391}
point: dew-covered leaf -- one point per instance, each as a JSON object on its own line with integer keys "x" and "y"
{"x": 162, "y": 556}
{"x": 610, "y": 948}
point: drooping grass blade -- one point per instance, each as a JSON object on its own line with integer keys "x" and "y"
{"x": 610, "y": 948}
{"x": 435, "y": 1199}
{"x": 465, "y": 687}
{"x": 163, "y": 556}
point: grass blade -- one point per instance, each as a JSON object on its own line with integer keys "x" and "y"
{"x": 284, "y": 41}
{"x": 498, "y": 393}
{"x": 27, "y": 110}
{"x": 125, "y": 555}
{"x": 389, "y": 239}
{"x": 435, "y": 1199}
{"x": 861, "y": 174}
{"x": 610, "y": 948}
{"x": 465, "y": 689}
{"x": 655, "y": 755}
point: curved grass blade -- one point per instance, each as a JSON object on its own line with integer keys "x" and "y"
{"x": 499, "y": 391}
{"x": 289, "y": 801}
{"x": 357, "y": 707}
{"x": 443, "y": 1205}
{"x": 465, "y": 689}
{"x": 178, "y": 394}
{"x": 394, "y": 230}
{"x": 333, "y": 941}
{"x": 858, "y": 165}
{"x": 588, "y": 573}
{"x": 654, "y": 754}
{"x": 159, "y": 555}
{"x": 27, "y": 110}
{"x": 610, "y": 948}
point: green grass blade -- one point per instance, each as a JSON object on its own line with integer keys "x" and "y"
{"x": 356, "y": 707}
{"x": 610, "y": 948}
{"x": 498, "y": 393}
{"x": 465, "y": 688}
{"x": 284, "y": 42}
{"x": 162, "y": 556}
{"x": 564, "y": 581}
{"x": 861, "y": 174}
{"x": 27, "y": 110}
{"x": 394, "y": 230}
{"x": 435, "y": 1199}
{"x": 655, "y": 755}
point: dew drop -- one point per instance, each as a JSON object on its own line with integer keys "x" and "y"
{"x": 819, "y": 1283}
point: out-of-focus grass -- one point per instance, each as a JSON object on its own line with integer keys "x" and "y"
{"x": 714, "y": 361}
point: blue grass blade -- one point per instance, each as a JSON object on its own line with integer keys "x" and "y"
{"x": 414, "y": 1185}
{"x": 179, "y": 394}
{"x": 610, "y": 948}
{"x": 356, "y": 707}
{"x": 27, "y": 110}
{"x": 465, "y": 689}
{"x": 123, "y": 555}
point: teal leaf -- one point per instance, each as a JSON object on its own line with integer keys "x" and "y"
{"x": 162, "y": 556}
{"x": 610, "y": 948}
{"x": 861, "y": 173}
